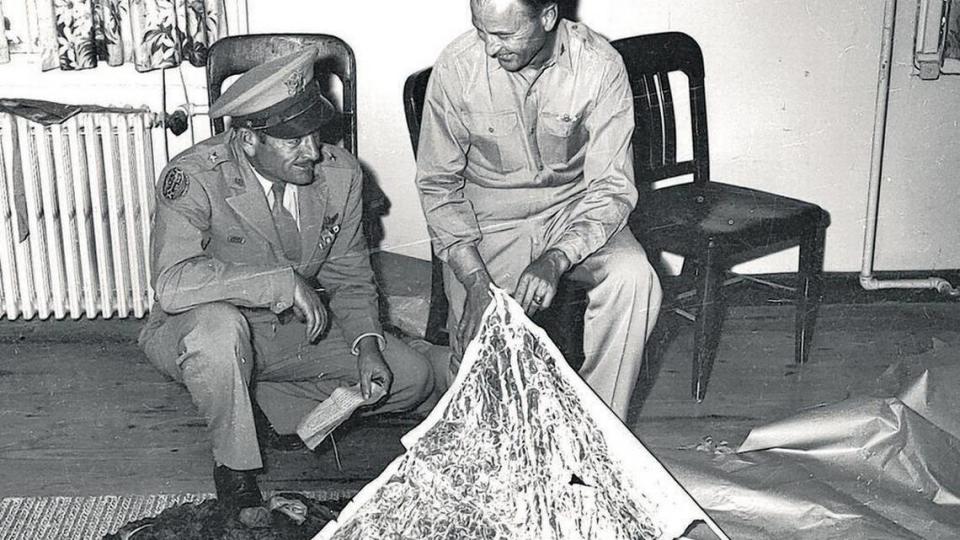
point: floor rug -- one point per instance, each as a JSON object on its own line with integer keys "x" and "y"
{"x": 90, "y": 518}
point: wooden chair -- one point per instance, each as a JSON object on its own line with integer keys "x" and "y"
{"x": 713, "y": 225}
{"x": 563, "y": 321}
{"x": 237, "y": 54}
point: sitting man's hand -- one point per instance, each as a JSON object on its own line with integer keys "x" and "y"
{"x": 308, "y": 307}
{"x": 538, "y": 282}
{"x": 478, "y": 298}
{"x": 372, "y": 367}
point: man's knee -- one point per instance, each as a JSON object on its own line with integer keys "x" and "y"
{"x": 220, "y": 335}
{"x": 412, "y": 371}
{"x": 219, "y": 323}
{"x": 422, "y": 377}
{"x": 631, "y": 269}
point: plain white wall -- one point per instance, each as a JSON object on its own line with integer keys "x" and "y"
{"x": 791, "y": 91}
{"x": 920, "y": 196}
{"x": 790, "y": 96}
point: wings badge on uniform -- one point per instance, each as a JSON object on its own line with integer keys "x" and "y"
{"x": 331, "y": 227}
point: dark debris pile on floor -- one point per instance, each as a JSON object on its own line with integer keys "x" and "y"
{"x": 211, "y": 520}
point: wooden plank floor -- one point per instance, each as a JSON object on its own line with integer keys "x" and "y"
{"x": 755, "y": 379}
{"x": 83, "y": 413}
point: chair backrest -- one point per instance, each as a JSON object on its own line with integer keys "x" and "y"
{"x": 237, "y": 54}
{"x": 414, "y": 94}
{"x": 649, "y": 59}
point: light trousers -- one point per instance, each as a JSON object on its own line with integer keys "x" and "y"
{"x": 623, "y": 301}
{"x": 218, "y": 355}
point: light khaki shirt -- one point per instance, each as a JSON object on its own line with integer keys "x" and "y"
{"x": 213, "y": 239}
{"x": 495, "y": 147}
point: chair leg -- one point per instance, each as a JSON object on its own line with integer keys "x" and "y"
{"x": 809, "y": 290}
{"x": 436, "y": 331}
{"x": 709, "y": 319}
{"x": 688, "y": 273}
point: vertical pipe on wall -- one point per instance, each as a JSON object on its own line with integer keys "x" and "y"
{"x": 867, "y": 279}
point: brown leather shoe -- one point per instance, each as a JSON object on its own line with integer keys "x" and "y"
{"x": 236, "y": 488}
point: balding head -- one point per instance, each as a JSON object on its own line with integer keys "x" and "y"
{"x": 513, "y": 34}
{"x": 532, "y": 7}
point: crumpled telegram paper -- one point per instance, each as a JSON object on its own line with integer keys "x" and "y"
{"x": 333, "y": 411}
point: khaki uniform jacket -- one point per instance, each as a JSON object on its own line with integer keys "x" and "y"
{"x": 214, "y": 239}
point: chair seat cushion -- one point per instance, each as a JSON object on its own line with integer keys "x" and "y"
{"x": 688, "y": 217}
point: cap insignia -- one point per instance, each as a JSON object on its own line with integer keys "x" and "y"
{"x": 294, "y": 82}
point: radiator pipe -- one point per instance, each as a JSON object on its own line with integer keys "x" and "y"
{"x": 867, "y": 280}
{"x": 176, "y": 122}
{"x": 182, "y": 117}
{"x": 193, "y": 109}
{"x": 163, "y": 110}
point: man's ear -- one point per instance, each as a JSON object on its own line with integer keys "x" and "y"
{"x": 249, "y": 141}
{"x": 549, "y": 16}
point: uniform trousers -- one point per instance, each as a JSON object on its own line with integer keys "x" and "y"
{"x": 218, "y": 352}
{"x": 623, "y": 299}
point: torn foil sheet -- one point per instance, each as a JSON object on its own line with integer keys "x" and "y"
{"x": 866, "y": 467}
{"x": 519, "y": 448}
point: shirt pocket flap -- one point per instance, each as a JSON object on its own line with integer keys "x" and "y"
{"x": 560, "y": 125}
{"x": 493, "y": 124}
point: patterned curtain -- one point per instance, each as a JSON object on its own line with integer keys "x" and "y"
{"x": 150, "y": 33}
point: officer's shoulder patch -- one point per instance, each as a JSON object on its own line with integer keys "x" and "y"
{"x": 175, "y": 184}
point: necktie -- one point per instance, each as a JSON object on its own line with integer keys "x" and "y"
{"x": 285, "y": 223}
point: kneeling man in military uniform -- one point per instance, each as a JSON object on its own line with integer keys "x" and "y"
{"x": 248, "y": 225}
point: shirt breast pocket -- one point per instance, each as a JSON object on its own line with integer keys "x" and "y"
{"x": 561, "y": 137}
{"x": 496, "y": 142}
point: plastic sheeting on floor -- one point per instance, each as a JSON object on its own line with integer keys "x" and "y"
{"x": 869, "y": 467}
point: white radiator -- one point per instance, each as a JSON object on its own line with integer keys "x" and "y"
{"x": 88, "y": 188}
